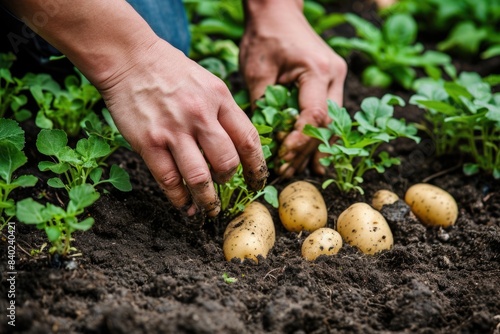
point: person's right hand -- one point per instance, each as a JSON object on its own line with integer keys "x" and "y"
{"x": 179, "y": 117}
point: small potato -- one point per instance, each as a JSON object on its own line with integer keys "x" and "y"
{"x": 432, "y": 205}
{"x": 302, "y": 207}
{"x": 250, "y": 234}
{"x": 323, "y": 241}
{"x": 365, "y": 228}
{"x": 383, "y": 197}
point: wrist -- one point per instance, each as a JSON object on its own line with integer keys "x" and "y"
{"x": 265, "y": 10}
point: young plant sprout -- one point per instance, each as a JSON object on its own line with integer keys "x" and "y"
{"x": 11, "y": 158}
{"x": 356, "y": 149}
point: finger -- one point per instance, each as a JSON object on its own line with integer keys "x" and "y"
{"x": 258, "y": 82}
{"x": 196, "y": 174}
{"x": 313, "y": 94}
{"x": 162, "y": 166}
{"x": 247, "y": 143}
{"x": 220, "y": 152}
{"x": 336, "y": 91}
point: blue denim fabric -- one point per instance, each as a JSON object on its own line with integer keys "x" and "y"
{"x": 168, "y": 20}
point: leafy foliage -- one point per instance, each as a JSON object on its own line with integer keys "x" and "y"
{"x": 59, "y": 223}
{"x": 355, "y": 146}
{"x": 77, "y": 166}
{"x": 391, "y": 50}
{"x": 11, "y": 158}
{"x": 63, "y": 108}
{"x": 12, "y": 97}
{"x": 277, "y": 110}
{"x": 471, "y": 25}
{"x": 464, "y": 114}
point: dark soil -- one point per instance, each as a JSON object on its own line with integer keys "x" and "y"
{"x": 144, "y": 269}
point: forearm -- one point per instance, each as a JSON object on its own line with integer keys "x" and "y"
{"x": 98, "y": 36}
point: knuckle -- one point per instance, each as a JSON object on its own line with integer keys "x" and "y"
{"x": 250, "y": 141}
{"x": 198, "y": 178}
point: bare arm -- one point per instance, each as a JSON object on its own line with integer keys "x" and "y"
{"x": 174, "y": 113}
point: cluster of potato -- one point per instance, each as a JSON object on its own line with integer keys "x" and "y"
{"x": 302, "y": 208}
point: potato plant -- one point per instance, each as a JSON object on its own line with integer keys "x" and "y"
{"x": 59, "y": 223}
{"x": 80, "y": 165}
{"x": 463, "y": 115}
{"x": 12, "y": 96}
{"x": 391, "y": 51}
{"x": 12, "y": 157}
{"x": 355, "y": 149}
{"x": 470, "y": 26}
{"x": 63, "y": 108}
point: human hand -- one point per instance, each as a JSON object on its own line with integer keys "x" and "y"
{"x": 279, "y": 46}
{"x": 179, "y": 117}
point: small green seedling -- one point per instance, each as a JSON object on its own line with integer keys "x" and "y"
{"x": 80, "y": 165}
{"x": 356, "y": 149}
{"x": 11, "y": 158}
{"x": 105, "y": 128}
{"x": 11, "y": 96}
{"x": 392, "y": 51}
{"x": 468, "y": 27}
{"x": 63, "y": 108}
{"x": 59, "y": 223}
{"x": 464, "y": 115}
{"x": 227, "y": 279}
{"x": 276, "y": 111}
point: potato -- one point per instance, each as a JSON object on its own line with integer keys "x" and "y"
{"x": 250, "y": 234}
{"x": 302, "y": 207}
{"x": 383, "y": 197}
{"x": 432, "y": 205}
{"x": 365, "y": 228}
{"x": 323, "y": 241}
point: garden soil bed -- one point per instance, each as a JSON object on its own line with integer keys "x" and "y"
{"x": 145, "y": 269}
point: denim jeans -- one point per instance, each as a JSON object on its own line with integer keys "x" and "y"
{"x": 167, "y": 18}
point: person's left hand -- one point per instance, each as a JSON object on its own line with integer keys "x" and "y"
{"x": 283, "y": 48}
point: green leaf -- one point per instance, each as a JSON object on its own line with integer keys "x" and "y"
{"x": 271, "y": 195}
{"x": 400, "y": 29}
{"x": 51, "y": 141}
{"x": 53, "y": 233}
{"x": 465, "y": 37}
{"x": 341, "y": 120}
{"x": 95, "y": 175}
{"x": 119, "y": 178}
{"x": 92, "y": 148}
{"x": 470, "y": 168}
{"x": 55, "y": 182}
{"x": 491, "y": 52}
{"x": 373, "y": 76}
{"x": 364, "y": 28}
{"x": 318, "y": 133}
{"x": 10, "y": 131}
{"x": 57, "y": 168}
{"x": 42, "y": 121}
{"x": 25, "y": 181}
{"x": 276, "y": 96}
{"x": 82, "y": 196}
{"x": 29, "y": 211}
{"x": 84, "y": 225}
{"x": 11, "y": 158}
{"x": 442, "y": 107}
